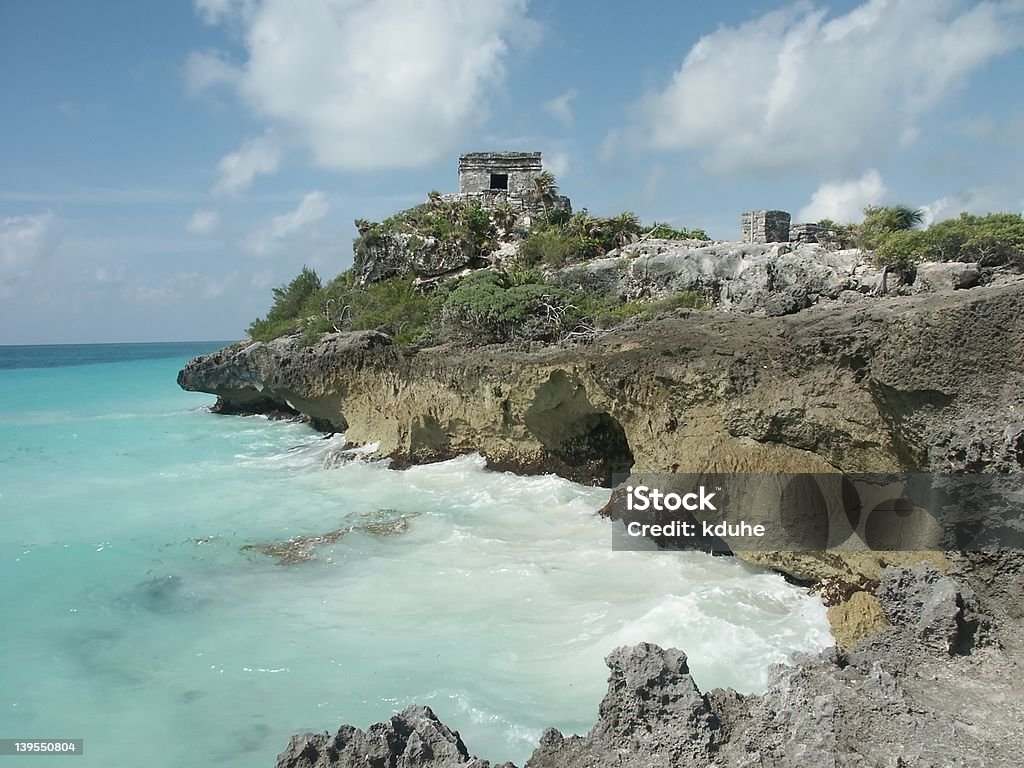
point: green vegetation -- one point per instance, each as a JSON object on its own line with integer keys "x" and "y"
{"x": 880, "y": 222}
{"x": 604, "y": 311}
{"x": 666, "y": 232}
{"x": 518, "y": 303}
{"x": 996, "y": 239}
{"x": 447, "y": 222}
{"x": 288, "y": 309}
{"x": 488, "y": 306}
{"x": 562, "y": 239}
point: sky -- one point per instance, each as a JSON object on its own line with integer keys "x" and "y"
{"x": 164, "y": 165}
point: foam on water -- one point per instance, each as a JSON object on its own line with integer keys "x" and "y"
{"x": 137, "y": 622}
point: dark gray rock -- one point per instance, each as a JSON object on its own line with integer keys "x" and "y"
{"x": 932, "y": 608}
{"x": 414, "y": 738}
{"x": 652, "y": 714}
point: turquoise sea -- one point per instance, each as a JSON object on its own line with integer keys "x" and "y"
{"x": 134, "y": 619}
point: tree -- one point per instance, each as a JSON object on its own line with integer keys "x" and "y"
{"x": 879, "y": 221}
{"x": 545, "y": 188}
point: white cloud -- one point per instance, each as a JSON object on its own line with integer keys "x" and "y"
{"x": 362, "y": 85}
{"x": 560, "y": 107}
{"x": 558, "y": 163}
{"x": 25, "y": 241}
{"x": 238, "y": 170}
{"x": 311, "y": 208}
{"x": 844, "y": 201}
{"x": 208, "y": 69}
{"x": 793, "y": 88}
{"x": 978, "y": 200}
{"x": 203, "y": 222}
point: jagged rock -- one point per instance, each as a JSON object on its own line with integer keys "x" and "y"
{"x": 652, "y": 711}
{"x": 946, "y": 276}
{"x": 414, "y": 738}
{"x": 933, "y": 608}
{"x": 762, "y": 278}
{"x": 397, "y": 254}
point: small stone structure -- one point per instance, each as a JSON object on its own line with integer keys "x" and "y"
{"x": 507, "y": 178}
{"x": 805, "y": 233}
{"x": 765, "y": 227}
{"x": 510, "y": 172}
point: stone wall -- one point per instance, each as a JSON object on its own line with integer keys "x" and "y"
{"x": 804, "y": 233}
{"x": 511, "y": 172}
{"x": 765, "y": 227}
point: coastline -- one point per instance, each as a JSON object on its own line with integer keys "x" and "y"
{"x": 887, "y": 385}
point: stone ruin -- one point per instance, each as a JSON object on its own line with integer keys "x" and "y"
{"x": 775, "y": 227}
{"x": 764, "y": 227}
{"x": 506, "y": 178}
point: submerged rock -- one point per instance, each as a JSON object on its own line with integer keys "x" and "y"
{"x": 301, "y": 549}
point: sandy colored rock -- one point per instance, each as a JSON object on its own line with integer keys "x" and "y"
{"x": 856, "y": 619}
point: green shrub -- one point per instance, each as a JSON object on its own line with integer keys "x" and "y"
{"x": 902, "y": 250}
{"x": 666, "y": 232}
{"x": 395, "y": 307}
{"x": 607, "y": 311}
{"x": 287, "y": 312}
{"x": 992, "y": 240}
{"x": 486, "y": 307}
{"x": 880, "y": 221}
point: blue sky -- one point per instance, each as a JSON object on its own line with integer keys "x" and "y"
{"x": 163, "y": 165}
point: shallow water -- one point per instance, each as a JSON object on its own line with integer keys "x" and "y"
{"x": 136, "y": 621}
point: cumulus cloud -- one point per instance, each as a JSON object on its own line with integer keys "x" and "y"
{"x": 25, "y": 241}
{"x": 366, "y": 84}
{"x": 203, "y": 222}
{"x": 311, "y": 209}
{"x": 844, "y": 201}
{"x": 793, "y": 88}
{"x": 560, "y": 107}
{"x": 238, "y": 170}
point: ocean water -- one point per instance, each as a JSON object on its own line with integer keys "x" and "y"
{"x": 137, "y": 616}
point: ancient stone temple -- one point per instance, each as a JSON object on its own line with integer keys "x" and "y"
{"x": 765, "y": 227}
{"x": 507, "y": 178}
{"x": 498, "y": 172}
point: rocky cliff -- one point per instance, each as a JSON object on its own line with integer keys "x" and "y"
{"x": 932, "y": 381}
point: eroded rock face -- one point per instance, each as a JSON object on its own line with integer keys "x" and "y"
{"x": 913, "y": 382}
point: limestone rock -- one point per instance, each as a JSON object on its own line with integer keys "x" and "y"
{"x": 759, "y": 278}
{"x": 398, "y": 254}
{"x": 946, "y": 276}
{"x": 933, "y": 608}
{"x": 856, "y": 619}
